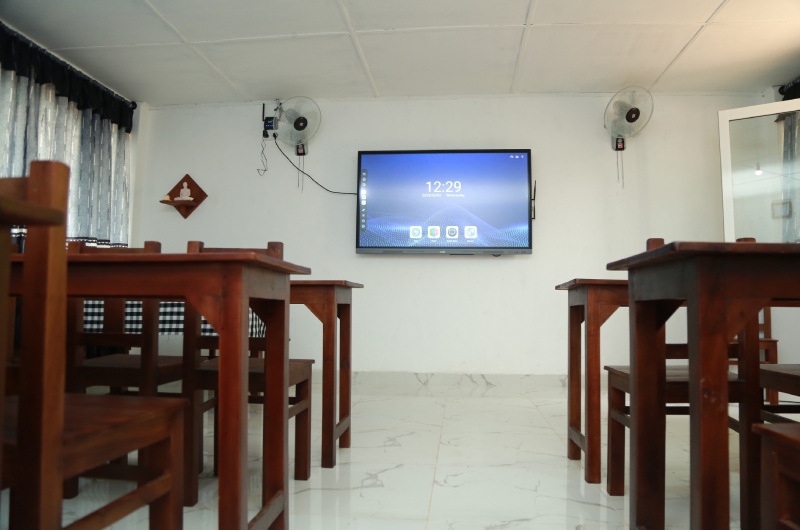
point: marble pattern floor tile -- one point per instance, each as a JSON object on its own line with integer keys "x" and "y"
{"x": 439, "y": 452}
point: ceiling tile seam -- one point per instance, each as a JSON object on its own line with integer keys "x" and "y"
{"x": 677, "y": 56}
{"x": 717, "y": 11}
{"x": 273, "y": 37}
{"x": 362, "y": 58}
{"x": 197, "y": 52}
{"x": 166, "y": 21}
{"x": 523, "y": 46}
{"x": 437, "y": 28}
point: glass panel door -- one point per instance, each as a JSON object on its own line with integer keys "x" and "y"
{"x": 760, "y": 172}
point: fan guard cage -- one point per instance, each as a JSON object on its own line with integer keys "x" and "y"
{"x": 297, "y": 120}
{"x": 628, "y": 112}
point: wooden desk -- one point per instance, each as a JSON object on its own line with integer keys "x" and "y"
{"x": 724, "y": 285}
{"x": 592, "y": 302}
{"x": 329, "y": 300}
{"x": 219, "y": 286}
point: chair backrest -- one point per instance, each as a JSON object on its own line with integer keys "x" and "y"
{"x": 274, "y": 249}
{"x": 43, "y": 329}
{"x": 113, "y": 308}
{"x": 113, "y": 338}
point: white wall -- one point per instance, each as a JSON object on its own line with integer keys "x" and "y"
{"x": 470, "y": 314}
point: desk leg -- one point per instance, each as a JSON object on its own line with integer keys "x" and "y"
{"x": 329, "y": 382}
{"x": 345, "y": 372}
{"x": 574, "y": 383}
{"x": 592, "y": 398}
{"x": 750, "y": 442}
{"x": 275, "y": 448}
{"x": 708, "y": 401}
{"x": 232, "y": 408}
{"x": 648, "y": 427}
{"x": 193, "y": 418}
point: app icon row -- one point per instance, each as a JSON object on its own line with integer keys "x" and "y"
{"x": 435, "y": 232}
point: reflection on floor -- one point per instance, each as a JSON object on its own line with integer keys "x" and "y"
{"x": 443, "y": 452}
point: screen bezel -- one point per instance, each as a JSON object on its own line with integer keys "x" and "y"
{"x": 433, "y": 250}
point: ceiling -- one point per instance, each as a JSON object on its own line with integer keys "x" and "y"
{"x": 177, "y": 52}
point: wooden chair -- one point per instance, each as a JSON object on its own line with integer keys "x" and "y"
{"x": 119, "y": 370}
{"x": 207, "y": 373}
{"x": 780, "y": 475}
{"x": 780, "y": 449}
{"x": 299, "y": 404}
{"x": 780, "y": 378}
{"x": 769, "y": 346}
{"x": 676, "y": 397}
{"x": 50, "y": 436}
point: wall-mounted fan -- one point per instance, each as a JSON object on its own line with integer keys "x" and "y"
{"x": 296, "y": 120}
{"x": 627, "y": 113}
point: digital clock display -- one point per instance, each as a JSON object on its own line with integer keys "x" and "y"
{"x": 448, "y": 186}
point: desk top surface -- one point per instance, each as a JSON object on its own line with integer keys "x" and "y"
{"x": 678, "y": 250}
{"x": 590, "y": 282}
{"x": 248, "y": 257}
{"x": 326, "y": 283}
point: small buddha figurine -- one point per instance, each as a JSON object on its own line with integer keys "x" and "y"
{"x": 185, "y": 194}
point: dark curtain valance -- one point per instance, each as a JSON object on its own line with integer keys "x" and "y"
{"x": 790, "y": 90}
{"x": 29, "y": 60}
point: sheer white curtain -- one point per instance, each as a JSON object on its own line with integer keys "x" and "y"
{"x": 43, "y": 126}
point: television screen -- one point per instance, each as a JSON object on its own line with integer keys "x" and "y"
{"x": 444, "y": 202}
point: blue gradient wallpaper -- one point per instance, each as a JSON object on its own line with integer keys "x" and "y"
{"x": 439, "y": 200}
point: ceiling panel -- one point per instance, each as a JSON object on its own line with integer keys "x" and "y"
{"x": 285, "y": 67}
{"x": 624, "y": 11}
{"x": 79, "y": 23}
{"x": 391, "y": 14}
{"x": 159, "y": 75}
{"x": 737, "y": 58}
{"x": 442, "y": 62}
{"x": 241, "y": 19}
{"x": 748, "y": 11}
{"x": 573, "y": 58}
{"x": 245, "y": 50}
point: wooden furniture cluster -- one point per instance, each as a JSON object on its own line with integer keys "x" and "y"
{"x": 723, "y": 286}
{"x": 80, "y": 434}
{"x": 50, "y": 436}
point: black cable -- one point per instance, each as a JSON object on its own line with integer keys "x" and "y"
{"x": 309, "y": 176}
{"x": 263, "y": 157}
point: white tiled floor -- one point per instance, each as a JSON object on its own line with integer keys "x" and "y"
{"x": 446, "y": 452}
